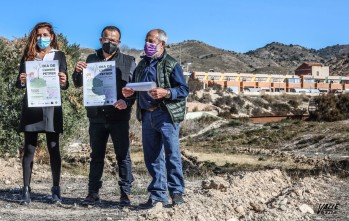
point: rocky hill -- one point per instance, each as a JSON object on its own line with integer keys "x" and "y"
{"x": 333, "y": 51}
{"x": 273, "y": 58}
{"x": 339, "y": 65}
{"x": 204, "y": 57}
{"x": 287, "y": 57}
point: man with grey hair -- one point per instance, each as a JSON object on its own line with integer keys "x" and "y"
{"x": 161, "y": 110}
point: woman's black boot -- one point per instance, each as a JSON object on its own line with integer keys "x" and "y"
{"x": 56, "y": 194}
{"x": 25, "y": 195}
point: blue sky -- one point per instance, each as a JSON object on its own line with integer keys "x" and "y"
{"x": 234, "y": 25}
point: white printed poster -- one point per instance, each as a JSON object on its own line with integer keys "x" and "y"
{"x": 42, "y": 81}
{"x": 99, "y": 81}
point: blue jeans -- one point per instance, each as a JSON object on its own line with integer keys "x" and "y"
{"x": 162, "y": 154}
{"x": 99, "y": 133}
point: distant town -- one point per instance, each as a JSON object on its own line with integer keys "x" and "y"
{"x": 309, "y": 78}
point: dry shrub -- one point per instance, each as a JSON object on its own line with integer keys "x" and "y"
{"x": 135, "y": 132}
{"x": 194, "y": 85}
{"x": 293, "y": 103}
{"x": 225, "y": 100}
{"x": 189, "y": 127}
{"x": 305, "y": 98}
{"x": 298, "y": 111}
{"x": 330, "y": 108}
{"x": 41, "y": 152}
{"x": 206, "y": 98}
{"x": 225, "y": 115}
{"x": 219, "y": 93}
{"x": 343, "y": 104}
{"x": 270, "y": 99}
{"x": 258, "y": 112}
{"x": 216, "y": 87}
{"x": 233, "y": 109}
{"x": 260, "y": 103}
{"x": 280, "y": 109}
{"x": 238, "y": 101}
{"x": 192, "y": 97}
{"x": 207, "y": 108}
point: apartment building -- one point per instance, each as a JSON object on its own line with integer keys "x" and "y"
{"x": 309, "y": 77}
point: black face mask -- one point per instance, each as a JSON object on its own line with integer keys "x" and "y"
{"x": 109, "y": 48}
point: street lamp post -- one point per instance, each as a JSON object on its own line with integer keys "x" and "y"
{"x": 188, "y": 66}
{"x": 180, "y": 54}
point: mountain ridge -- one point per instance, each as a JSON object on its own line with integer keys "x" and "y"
{"x": 273, "y": 58}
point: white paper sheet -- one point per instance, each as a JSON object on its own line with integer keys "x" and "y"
{"x": 141, "y": 86}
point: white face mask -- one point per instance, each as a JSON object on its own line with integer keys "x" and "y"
{"x": 43, "y": 42}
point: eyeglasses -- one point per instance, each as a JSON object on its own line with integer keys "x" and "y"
{"x": 105, "y": 39}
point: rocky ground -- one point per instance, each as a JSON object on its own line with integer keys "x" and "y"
{"x": 260, "y": 195}
{"x": 233, "y": 171}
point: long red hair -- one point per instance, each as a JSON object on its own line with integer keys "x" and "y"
{"x": 31, "y": 49}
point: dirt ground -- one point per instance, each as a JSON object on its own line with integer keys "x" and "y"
{"x": 259, "y": 195}
{"x": 229, "y": 176}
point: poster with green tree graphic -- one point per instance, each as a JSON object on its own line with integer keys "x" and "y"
{"x": 99, "y": 81}
{"x": 43, "y": 88}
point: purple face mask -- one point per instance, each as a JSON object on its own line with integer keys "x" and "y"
{"x": 150, "y": 49}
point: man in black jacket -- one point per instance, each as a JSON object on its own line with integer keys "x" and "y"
{"x": 110, "y": 120}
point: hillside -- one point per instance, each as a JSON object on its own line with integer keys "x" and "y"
{"x": 288, "y": 57}
{"x": 204, "y": 57}
{"x": 273, "y": 58}
{"x": 339, "y": 65}
{"x": 333, "y": 51}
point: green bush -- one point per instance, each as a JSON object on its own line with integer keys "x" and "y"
{"x": 75, "y": 120}
{"x": 11, "y": 97}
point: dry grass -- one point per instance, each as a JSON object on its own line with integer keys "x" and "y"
{"x": 245, "y": 161}
{"x": 189, "y": 127}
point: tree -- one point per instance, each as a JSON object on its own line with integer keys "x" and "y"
{"x": 11, "y": 97}
{"x": 10, "y": 102}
